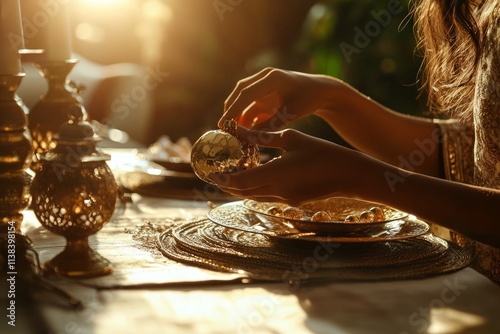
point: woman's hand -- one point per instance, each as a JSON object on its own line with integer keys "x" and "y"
{"x": 309, "y": 169}
{"x": 272, "y": 98}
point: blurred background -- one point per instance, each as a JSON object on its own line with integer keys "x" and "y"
{"x": 165, "y": 67}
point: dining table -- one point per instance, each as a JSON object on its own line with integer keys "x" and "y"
{"x": 149, "y": 291}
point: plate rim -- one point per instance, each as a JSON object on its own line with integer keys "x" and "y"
{"x": 312, "y": 236}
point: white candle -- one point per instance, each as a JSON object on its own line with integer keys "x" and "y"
{"x": 11, "y": 37}
{"x": 58, "y": 36}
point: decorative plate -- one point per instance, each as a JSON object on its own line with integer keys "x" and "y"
{"x": 235, "y": 215}
{"x": 153, "y": 169}
{"x": 173, "y": 164}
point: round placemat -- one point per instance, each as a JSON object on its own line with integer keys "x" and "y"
{"x": 209, "y": 245}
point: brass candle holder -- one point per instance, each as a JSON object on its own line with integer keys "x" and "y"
{"x": 74, "y": 195}
{"x": 15, "y": 153}
{"x": 51, "y": 111}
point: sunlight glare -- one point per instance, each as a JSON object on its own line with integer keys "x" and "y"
{"x": 103, "y": 2}
{"x": 446, "y": 320}
{"x": 89, "y": 32}
{"x": 156, "y": 9}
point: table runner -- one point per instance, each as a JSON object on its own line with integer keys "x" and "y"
{"x": 129, "y": 242}
{"x": 461, "y": 301}
{"x": 215, "y": 254}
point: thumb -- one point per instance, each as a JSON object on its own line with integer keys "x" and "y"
{"x": 283, "y": 139}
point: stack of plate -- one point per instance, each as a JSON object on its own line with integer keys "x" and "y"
{"x": 256, "y": 238}
{"x": 166, "y": 178}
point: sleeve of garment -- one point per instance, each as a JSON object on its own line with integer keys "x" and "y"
{"x": 471, "y": 153}
{"x": 457, "y": 164}
{"x": 487, "y": 107}
{"x": 457, "y": 150}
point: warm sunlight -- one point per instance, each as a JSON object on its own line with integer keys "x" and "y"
{"x": 103, "y": 2}
{"x": 250, "y": 166}
{"x": 448, "y": 320}
{"x": 103, "y": 7}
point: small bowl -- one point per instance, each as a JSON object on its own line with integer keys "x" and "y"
{"x": 338, "y": 208}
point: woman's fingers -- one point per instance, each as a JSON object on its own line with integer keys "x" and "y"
{"x": 278, "y": 179}
{"x": 258, "y": 180}
{"x": 261, "y": 193}
{"x": 257, "y": 112}
{"x": 276, "y": 119}
{"x": 284, "y": 139}
{"x": 247, "y": 180}
{"x": 243, "y": 84}
{"x": 258, "y": 90}
{"x": 243, "y": 186}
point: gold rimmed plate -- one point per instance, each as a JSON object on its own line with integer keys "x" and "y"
{"x": 153, "y": 169}
{"x": 235, "y": 215}
{"x": 337, "y": 208}
{"x": 173, "y": 164}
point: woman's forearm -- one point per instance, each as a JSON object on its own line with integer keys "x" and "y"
{"x": 395, "y": 138}
{"x": 469, "y": 210}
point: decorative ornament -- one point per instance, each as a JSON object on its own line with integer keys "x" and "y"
{"x": 221, "y": 151}
{"x": 379, "y": 214}
{"x": 74, "y": 195}
{"x": 351, "y": 219}
{"x": 15, "y": 154}
{"x": 321, "y": 216}
{"x": 275, "y": 211}
{"x": 293, "y": 213}
{"x": 366, "y": 217}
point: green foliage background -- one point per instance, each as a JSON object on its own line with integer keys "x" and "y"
{"x": 386, "y": 69}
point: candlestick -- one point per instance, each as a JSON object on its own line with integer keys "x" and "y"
{"x": 48, "y": 114}
{"x": 11, "y": 37}
{"x": 15, "y": 154}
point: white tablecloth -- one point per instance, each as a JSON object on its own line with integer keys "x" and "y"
{"x": 462, "y": 302}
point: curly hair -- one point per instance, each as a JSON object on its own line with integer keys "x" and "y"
{"x": 449, "y": 35}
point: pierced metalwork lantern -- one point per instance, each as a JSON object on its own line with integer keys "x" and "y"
{"x": 74, "y": 195}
